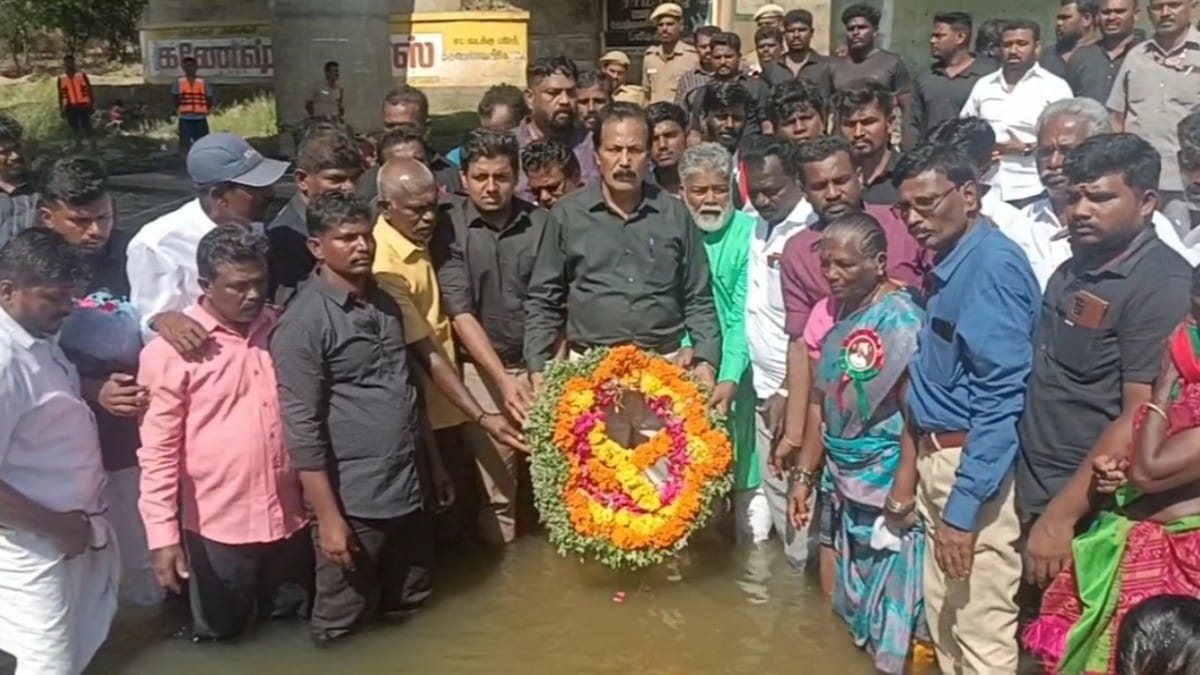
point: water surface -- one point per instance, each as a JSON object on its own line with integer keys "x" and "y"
{"x": 531, "y": 611}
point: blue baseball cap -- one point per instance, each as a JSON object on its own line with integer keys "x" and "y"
{"x": 228, "y": 158}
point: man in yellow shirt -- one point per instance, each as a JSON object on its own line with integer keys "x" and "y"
{"x": 408, "y": 206}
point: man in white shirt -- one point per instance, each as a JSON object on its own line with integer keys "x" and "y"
{"x": 1011, "y": 100}
{"x": 59, "y": 567}
{"x": 233, "y": 186}
{"x": 1063, "y": 126}
{"x": 773, "y": 184}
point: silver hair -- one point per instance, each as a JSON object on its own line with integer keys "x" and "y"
{"x": 1088, "y": 109}
{"x": 705, "y": 157}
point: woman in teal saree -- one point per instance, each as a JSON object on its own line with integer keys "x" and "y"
{"x": 858, "y": 386}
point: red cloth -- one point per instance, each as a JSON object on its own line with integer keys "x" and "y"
{"x": 1155, "y": 563}
{"x": 804, "y": 285}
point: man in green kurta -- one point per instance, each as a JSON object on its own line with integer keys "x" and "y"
{"x": 705, "y": 173}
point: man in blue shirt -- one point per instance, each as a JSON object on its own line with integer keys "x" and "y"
{"x": 966, "y": 394}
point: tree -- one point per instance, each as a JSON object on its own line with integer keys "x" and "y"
{"x": 18, "y": 28}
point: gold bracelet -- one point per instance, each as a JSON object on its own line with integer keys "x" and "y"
{"x": 808, "y": 478}
{"x": 792, "y": 444}
{"x": 1151, "y": 406}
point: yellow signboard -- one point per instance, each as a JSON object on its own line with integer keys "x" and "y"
{"x": 437, "y": 49}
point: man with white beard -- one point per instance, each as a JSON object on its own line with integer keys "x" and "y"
{"x": 705, "y": 173}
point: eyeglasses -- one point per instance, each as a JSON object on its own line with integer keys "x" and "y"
{"x": 902, "y": 209}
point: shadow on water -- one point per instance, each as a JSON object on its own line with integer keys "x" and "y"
{"x": 528, "y": 610}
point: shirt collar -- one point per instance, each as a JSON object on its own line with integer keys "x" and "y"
{"x": 341, "y": 297}
{"x": 16, "y": 331}
{"x": 387, "y": 235}
{"x": 519, "y": 215}
{"x": 211, "y": 324}
{"x": 945, "y": 269}
{"x": 525, "y": 135}
{"x": 1193, "y": 40}
{"x": 650, "y": 196}
{"x": 1122, "y": 263}
{"x": 1036, "y": 71}
{"x": 977, "y": 69}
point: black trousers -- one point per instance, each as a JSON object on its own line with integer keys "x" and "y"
{"x": 230, "y": 584}
{"x": 393, "y": 573}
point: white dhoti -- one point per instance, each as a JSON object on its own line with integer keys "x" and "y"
{"x": 55, "y": 612}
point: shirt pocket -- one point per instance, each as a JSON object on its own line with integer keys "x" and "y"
{"x": 940, "y": 360}
{"x": 1075, "y": 348}
{"x": 775, "y": 288}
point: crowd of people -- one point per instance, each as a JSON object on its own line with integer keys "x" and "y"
{"x": 951, "y": 319}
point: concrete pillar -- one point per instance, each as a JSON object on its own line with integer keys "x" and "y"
{"x": 355, "y": 33}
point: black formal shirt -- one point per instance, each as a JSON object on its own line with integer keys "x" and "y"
{"x": 938, "y": 97}
{"x": 486, "y": 271}
{"x": 642, "y": 280}
{"x": 348, "y": 397}
{"x": 288, "y": 261}
{"x": 1101, "y": 326}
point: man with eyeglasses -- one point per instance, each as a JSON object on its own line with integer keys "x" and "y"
{"x": 966, "y": 394}
{"x": 18, "y": 199}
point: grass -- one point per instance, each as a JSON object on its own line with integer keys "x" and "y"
{"x": 34, "y": 103}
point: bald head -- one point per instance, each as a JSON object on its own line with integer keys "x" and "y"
{"x": 404, "y": 176}
{"x": 408, "y": 199}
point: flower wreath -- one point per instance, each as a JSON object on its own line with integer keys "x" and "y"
{"x": 625, "y": 507}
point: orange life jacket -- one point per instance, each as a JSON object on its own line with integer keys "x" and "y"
{"x": 75, "y": 89}
{"x": 193, "y": 97}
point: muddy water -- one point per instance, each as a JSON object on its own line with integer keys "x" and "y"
{"x": 722, "y": 611}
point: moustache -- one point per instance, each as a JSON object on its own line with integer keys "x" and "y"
{"x": 625, "y": 175}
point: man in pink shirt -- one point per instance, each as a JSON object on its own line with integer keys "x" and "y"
{"x": 832, "y": 182}
{"x": 221, "y": 504}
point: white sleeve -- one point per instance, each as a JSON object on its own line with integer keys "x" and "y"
{"x": 154, "y": 284}
{"x": 971, "y": 107}
{"x": 13, "y": 400}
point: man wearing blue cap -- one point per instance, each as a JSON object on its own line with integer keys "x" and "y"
{"x": 233, "y": 183}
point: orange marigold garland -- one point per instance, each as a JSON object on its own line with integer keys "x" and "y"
{"x": 625, "y": 507}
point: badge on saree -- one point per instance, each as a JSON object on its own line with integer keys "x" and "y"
{"x": 862, "y": 361}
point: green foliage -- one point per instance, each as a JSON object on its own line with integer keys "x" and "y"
{"x": 77, "y": 22}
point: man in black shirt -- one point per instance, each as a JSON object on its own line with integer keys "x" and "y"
{"x": 864, "y": 114}
{"x": 76, "y": 203}
{"x": 407, "y": 141}
{"x": 622, "y": 263}
{"x": 327, "y": 160}
{"x": 668, "y": 140}
{"x": 1074, "y": 27}
{"x": 800, "y": 61}
{"x": 1093, "y": 67}
{"x": 493, "y": 244}
{"x": 1105, "y": 316}
{"x": 940, "y": 91}
{"x": 354, "y": 429}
